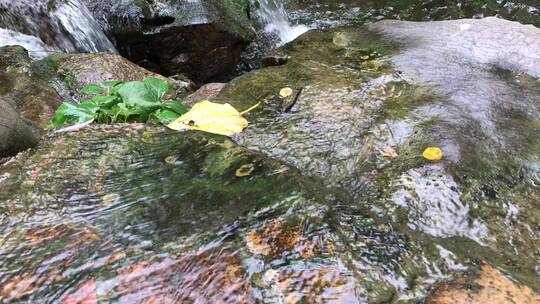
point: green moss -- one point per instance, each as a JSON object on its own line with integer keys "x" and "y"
{"x": 45, "y": 69}
{"x": 6, "y": 84}
{"x": 404, "y": 99}
{"x": 328, "y": 59}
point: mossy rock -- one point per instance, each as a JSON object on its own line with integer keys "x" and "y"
{"x": 16, "y": 133}
{"x": 116, "y": 166}
{"x": 34, "y": 98}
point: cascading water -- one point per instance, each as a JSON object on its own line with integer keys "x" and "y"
{"x": 275, "y": 19}
{"x": 45, "y": 26}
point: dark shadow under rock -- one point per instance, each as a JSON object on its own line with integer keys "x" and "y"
{"x": 201, "y": 39}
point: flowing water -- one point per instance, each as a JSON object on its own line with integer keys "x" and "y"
{"x": 51, "y": 26}
{"x": 307, "y": 204}
{"x": 275, "y": 19}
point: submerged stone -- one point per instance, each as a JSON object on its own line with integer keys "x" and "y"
{"x": 117, "y": 182}
{"x": 353, "y": 107}
{"x": 486, "y": 286}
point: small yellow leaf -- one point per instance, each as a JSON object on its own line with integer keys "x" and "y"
{"x": 245, "y": 170}
{"x": 433, "y": 153}
{"x": 285, "y": 92}
{"x": 171, "y": 159}
{"x": 211, "y": 117}
{"x": 110, "y": 199}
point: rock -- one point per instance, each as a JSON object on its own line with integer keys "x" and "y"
{"x": 274, "y": 60}
{"x": 214, "y": 156}
{"x": 489, "y": 286}
{"x": 329, "y": 13}
{"x": 74, "y": 240}
{"x": 111, "y": 170}
{"x": 85, "y": 294}
{"x": 328, "y": 108}
{"x": 179, "y": 278}
{"x": 16, "y": 133}
{"x": 318, "y": 286}
{"x": 302, "y": 206}
{"x": 202, "y": 39}
{"x": 207, "y": 92}
{"x": 34, "y": 98}
{"x": 278, "y": 238}
{"x": 69, "y": 73}
{"x": 368, "y": 90}
{"x": 81, "y": 70}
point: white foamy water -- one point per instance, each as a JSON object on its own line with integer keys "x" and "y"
{"x": 35, "y": 47}
{"x": 68, "y": 26}
{"x": 432, "y": 199}
{"x": 77, "y": 20}
{"x": 272, "y": 13}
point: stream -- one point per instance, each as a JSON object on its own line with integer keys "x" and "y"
{"x": 324, "y": 198}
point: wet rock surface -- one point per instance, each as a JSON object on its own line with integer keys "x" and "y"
{"x": 67, "y": 74}
{"x": 33, "y": 97}
{"x": 488, "y": 285}
{"x": 207, "y": 92}
{"x": 364, "y": 98}
{"x": 337, "y": 204}
{"x": 16, "y": 133}
{"x": 45, "y": 213}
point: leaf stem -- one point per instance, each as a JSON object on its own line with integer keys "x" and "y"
{"x": 251, "y": 109}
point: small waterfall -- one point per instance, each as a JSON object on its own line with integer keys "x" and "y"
{"x": 45, "y": 26}
{"x": 273, "y": 15}
{"x": 35, "y": 47}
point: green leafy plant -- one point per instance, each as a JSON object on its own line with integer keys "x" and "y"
{"x": 118, "y": 101}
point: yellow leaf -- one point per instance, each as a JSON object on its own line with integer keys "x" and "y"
{"x": 245, "y": 170}
{"x": 433, "y": 153}
{"x": 211, "y": 117}
{"x": 286, "y": 92}
{"x": 171, "y": 159}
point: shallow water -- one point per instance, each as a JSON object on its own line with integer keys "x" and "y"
{"x": 141, "y": 214}
{"x": 484, "y": 116}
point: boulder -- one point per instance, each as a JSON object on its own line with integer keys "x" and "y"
{"x": 69, "y": 73}
{"x": 16, "y": 133}
{"x": 202, "y": 39}
{"x": 22, "y": 83}
{"x": 374, "y": 98}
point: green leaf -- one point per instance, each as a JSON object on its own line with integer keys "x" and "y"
{"x": 89, "y": 105}
{"x": 165, "y": 115}
{"x": 69, "y": 113}
{"x": 156, "y": 87}
{"x": 113, "y": 86}
{"x": 175, "y": 106}
{"x": 112, "y": 83}
{"x": 135, "y": 93}
{"x": 92, "y": 89}
{"x": 106, "y": 101}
